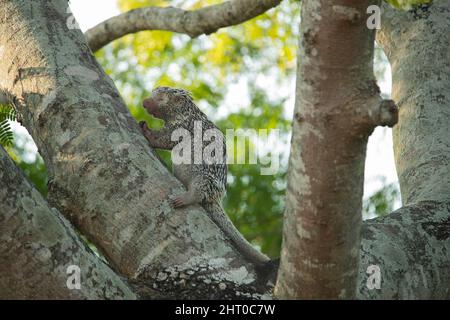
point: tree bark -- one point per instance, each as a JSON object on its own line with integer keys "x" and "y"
{"x": 37, "y": 246}
{"x": 411, "y": 248}
{"x": 416, "y": 44}
{"x": 337, "y": 107}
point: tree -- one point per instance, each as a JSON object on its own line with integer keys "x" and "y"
{"x": 103, "y": 178}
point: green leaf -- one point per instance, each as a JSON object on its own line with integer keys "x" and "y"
{"x": 7, "y": 113}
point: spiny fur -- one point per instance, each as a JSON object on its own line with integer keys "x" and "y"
{"x": 206, "y": 183}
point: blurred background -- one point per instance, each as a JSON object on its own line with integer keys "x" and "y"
{"x": 241, "y": 77}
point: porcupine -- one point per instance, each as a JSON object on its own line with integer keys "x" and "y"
{"x": 205, "y": 181}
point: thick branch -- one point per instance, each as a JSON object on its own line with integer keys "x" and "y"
{"x": 411, "y": 249}
{"x": 193, "y": 23}
{"x": 37, "y": 245}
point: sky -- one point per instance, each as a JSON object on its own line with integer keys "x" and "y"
{"x": 88, "y": 13}
{"x": 380, "y": 167}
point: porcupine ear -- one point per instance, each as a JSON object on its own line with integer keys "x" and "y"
{"x": 181, "y": 95}
{"x": 188, "y": 95}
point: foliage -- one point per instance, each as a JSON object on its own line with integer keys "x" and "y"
{"x": 255, "y": 202}
{"x": 36, "y": 172}
{"x": 407, "y": 4}
{"x": 7, "y": 114}
{"x": 29, "y": 161}
{"x": 381, "y": 202}
{"x": 17, "y": 147}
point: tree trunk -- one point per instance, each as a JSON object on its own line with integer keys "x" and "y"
{"x": 412, "y": 245}
{"x": 337, "y": 107}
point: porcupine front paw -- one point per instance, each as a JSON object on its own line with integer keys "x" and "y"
{"x": 181, "y": 200}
